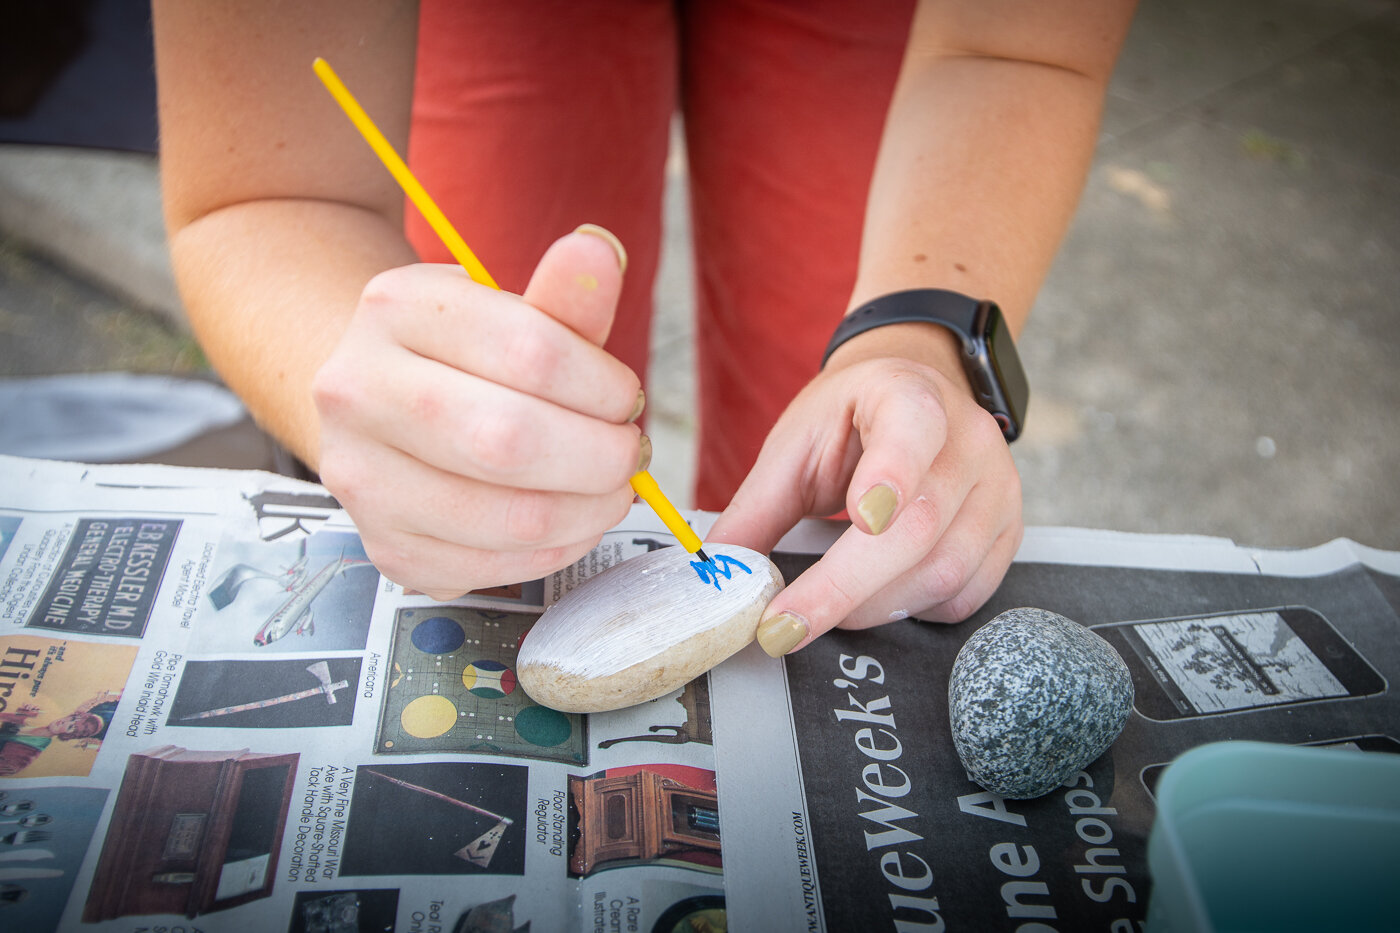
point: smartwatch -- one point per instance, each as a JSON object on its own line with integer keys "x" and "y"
{"x": 989, "y": 357}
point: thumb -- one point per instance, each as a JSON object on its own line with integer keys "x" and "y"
{"x": 578, "y": 281}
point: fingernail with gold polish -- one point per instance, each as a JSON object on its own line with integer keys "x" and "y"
{"x": 644, "y": 458}
{"x": 639, "y": 407}
{"x": 779, "y": 634}
{"x": 612, "y": 240}
{"x": 877, "y": 505}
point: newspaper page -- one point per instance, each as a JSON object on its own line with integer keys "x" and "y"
{"x": 215, "y": 714}
{"x": 839, "y": 765}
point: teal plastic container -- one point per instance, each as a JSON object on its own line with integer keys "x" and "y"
{"x": 1252, "y": 836}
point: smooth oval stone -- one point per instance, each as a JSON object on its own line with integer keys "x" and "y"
{"x": 645, "y": 627}
{"x": 1033, "y": 698}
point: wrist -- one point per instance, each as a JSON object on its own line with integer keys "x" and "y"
{"x": 975, "y": 329}
{"x": 917, "y": 341}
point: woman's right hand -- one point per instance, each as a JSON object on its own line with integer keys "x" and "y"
{"x": 476, "y": 437}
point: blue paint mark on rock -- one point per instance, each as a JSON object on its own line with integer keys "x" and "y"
{"x": 1033, "y": 698}
{"x": 721, "y": 565}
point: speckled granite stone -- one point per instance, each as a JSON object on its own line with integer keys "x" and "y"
{"x": 1033, "y": 698}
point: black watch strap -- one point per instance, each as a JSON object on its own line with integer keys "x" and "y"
{"x": 952, "y": 310}
{"x": 989, "y": 356}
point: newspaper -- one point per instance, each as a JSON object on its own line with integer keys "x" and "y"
{"x": 866, "y": 819}
{"x": 215, "y": 714}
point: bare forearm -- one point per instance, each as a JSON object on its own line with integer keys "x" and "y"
{"x": 269, "y": 287}
{"x": 277, "y": 212}
{"x": 984, "y": 212}
{"x": 984, "y": 156}
{"x": 975, "y": 186}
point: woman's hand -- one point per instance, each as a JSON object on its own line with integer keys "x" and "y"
{"x": 476, "y": 437}
{"x": 933, "y": 494}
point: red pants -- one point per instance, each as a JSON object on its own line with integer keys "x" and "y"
{"x": 533, "y": 117}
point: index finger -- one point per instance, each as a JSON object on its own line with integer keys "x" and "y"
{"x": 853, "y": 570}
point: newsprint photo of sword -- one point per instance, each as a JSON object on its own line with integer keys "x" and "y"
{"x": 320, "y": 670}
{"x": 478, "y": 851}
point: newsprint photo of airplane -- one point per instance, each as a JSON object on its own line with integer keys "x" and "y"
{"x": 294, "y": 615}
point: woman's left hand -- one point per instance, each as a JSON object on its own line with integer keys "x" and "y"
{"x": 928, "y": 479}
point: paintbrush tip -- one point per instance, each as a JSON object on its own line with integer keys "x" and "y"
{"x": 700, "y": 553}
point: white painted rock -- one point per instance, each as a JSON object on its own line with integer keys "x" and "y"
{"x": 1034, "y": 697}
{"x": 645, "y": 627}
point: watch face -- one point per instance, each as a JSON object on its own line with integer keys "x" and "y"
{"x": 1009, "y": 390}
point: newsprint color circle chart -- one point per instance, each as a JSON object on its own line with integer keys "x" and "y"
{"x": 453, "y": 689}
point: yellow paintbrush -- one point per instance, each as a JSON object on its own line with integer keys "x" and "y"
{"x": 642, "y": 483}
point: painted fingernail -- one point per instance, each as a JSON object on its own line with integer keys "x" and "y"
{"x": 639, "y": 407}
{"x": 779, "y": 634}
{"x": 644, "y": 458}
{"x": 611, "y": 239}
{"x": 876, "y": 507}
